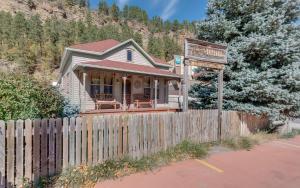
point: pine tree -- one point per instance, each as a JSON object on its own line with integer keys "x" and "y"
{"x": 103, "y": 8}
{"x": 263, "y": 56}
{"x": 125, "y": 12}
{"x": 114, "y": 12}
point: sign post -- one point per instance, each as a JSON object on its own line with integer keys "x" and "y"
{"x": 207, "y": 55}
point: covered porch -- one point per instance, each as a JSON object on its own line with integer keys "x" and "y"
{"x": 117, "y": 87}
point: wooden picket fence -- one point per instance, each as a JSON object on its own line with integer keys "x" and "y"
{"x": 34, "y": 148}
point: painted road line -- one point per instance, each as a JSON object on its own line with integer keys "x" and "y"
{"x": 288, "y": 144}
{"x": 210, "y": 166}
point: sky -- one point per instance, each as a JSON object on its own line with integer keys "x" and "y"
{"x": 191, "y": 10}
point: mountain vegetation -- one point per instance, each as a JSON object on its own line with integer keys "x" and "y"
{"x": 33, "y": 35}
{"x": 36, "y": 42}
{"x": 263, "y": 71}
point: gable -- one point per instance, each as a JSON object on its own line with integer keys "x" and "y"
{"x": 120, "y": 55}
{"x": 114, "y": 51}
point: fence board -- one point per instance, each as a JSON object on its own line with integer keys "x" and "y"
{"x": 120, "y": 137}
{"x": 72, "y": 142}
{"x": 2, "y": 153}
{"x": 78, "y": 141}
{"x": 51, "y": 145}
{"x": 44, "y": 148}
{"x": 36, "y": 149}
{"x": 116, "y": 123}
{"x": 28, "y": 149}
{"x": 89, "y": 140}
{"x": 58, "y": 149}
{"x": 95, "y": 140}
{"x": 19, "y": 152}
{"x": 100, "y": 132}
{"x": 65, "y": 142}
{"x": 83, "y": 141}
{"x": 10, "y": 153}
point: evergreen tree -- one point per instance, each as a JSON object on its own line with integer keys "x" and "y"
{"x": 83, "y": 3}
{"x": 70, "y": 2}
{"x": 138, "y": 38}
{"x": 155, "y": 47}
{"x": 262, "y": 75}
{"x": 103, "y": 8}
{"x": 156, "y": 24}
{"x": 114, "y": 12}
{"x": 125, "y": 12}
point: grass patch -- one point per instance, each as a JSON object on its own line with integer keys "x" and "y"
{"x": 239, "y": 143}
{"x": 87, "y": 176}
{"x": 291, "y": 134}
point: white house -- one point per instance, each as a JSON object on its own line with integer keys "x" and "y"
{"x": 108, "y": 74}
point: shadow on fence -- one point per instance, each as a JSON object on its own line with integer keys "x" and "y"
{"x": 43, "y": 147}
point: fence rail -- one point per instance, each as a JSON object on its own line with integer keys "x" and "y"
{"x": 41, "y": 147}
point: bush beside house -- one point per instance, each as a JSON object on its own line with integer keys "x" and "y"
{"x": 22, "y": 97}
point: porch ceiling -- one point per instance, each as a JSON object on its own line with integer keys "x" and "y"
{"x": 127, "y": 68}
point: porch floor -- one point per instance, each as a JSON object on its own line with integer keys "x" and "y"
{"x": 133, "y": 110}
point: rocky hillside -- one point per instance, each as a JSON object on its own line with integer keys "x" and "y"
{"x": 47, "y": 9}
{"x": 38, "y": 50}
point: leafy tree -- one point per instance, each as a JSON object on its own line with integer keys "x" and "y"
{"x": 262, "y": 75}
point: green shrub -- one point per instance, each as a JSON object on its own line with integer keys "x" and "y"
{"x": 22, "y": 97}
{"x": 291, "y": 134}
{"x": 240, "y": 143}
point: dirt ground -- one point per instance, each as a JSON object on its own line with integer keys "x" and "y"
{"x": 275, "y": 164}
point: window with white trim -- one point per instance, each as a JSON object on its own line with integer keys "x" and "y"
{"x": 129, "y": 55}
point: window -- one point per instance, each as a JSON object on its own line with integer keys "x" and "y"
{"x": 147, "y": 88}
{"x": 101, "y": 85}
{"x": 129, "y": 55}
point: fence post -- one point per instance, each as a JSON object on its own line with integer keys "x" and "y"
{"x": 19, "y": 152}
{"x": 2, "y": 154}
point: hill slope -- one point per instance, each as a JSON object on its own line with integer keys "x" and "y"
{"x": 41, "y": 54}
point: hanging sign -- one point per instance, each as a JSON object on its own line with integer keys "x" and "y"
{"x": 178, "y": 59}
{"x": 205, "y": 54}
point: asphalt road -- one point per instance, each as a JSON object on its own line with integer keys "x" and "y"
{"x": 274, "y": 164}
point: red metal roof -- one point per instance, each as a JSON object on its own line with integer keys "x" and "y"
{"x": 99, "y": 46}
{"x": 159, "y": 60}
{"x": 130, "y": 67}
{"x": 102, "y": 46}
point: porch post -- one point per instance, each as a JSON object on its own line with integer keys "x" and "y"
{"x": 220, "y": 102}
{"x": 185, "y": 86}
{"x": 155, "y": 93}
{"x": 83, "y": 107}
{"x": 124, "y": 92}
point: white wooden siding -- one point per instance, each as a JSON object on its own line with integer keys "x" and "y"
{"x": 137, "y": 57}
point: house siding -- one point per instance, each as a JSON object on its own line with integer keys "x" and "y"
{"x": 72, "y": 86}
{"x": 121, "y": 55}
